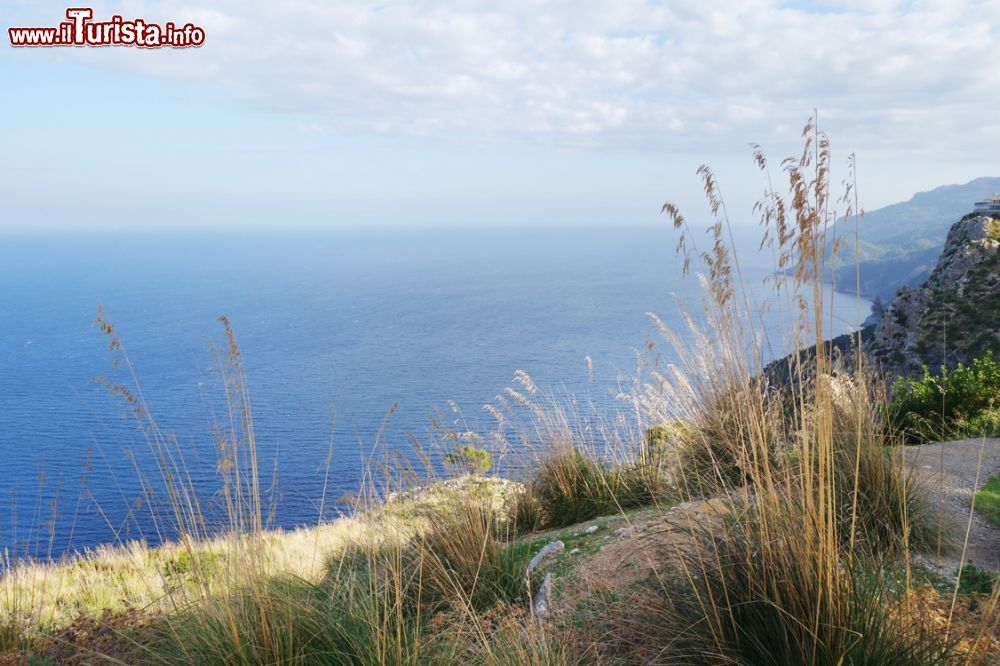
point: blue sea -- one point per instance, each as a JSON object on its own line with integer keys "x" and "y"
{"x": 351, "y": 321}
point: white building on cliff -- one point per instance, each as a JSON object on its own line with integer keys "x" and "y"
{"x": 990, "y": 206}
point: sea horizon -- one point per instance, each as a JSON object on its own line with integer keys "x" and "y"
{"x": 337, "y": 329}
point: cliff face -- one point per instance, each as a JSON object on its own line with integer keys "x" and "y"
{"x": 900, "y": 243}
{"x": 955, "y": 315}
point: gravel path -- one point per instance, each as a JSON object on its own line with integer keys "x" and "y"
{"x": 949, "y": 472}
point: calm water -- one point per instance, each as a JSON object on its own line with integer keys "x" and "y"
{"x": 356, "y": 321}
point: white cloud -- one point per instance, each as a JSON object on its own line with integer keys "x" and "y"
{"x": 893, "y": 76}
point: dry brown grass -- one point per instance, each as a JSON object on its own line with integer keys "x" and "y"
{"x": 801, "y": 559}
{"x": 817, "y": 506}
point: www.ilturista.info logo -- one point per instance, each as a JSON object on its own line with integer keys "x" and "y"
{"x": 81, "y": 30}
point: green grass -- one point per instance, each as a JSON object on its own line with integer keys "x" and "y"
{"x": 571, "y": 487}
{"x": 418, "y": 600}
{"x": 466, "y": 558}
{"x": 988, "y": 500}
{"x": 288, "y": 620}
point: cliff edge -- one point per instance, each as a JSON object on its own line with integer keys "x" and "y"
{"x": 955, "y": 315}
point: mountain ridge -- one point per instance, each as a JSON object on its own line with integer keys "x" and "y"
{"x": 900, "y": 243}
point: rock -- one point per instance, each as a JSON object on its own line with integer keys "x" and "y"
{"x": 947, "y": 320}
{"x": 548, "y": 549}
{"x": 591, "y": 529}
{"x": 540, "y": 605}
{"x": 626, "y": 532}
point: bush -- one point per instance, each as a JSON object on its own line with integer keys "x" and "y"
{"x": 12, "y": 638}
{"x": 986, "y": 423}
{"x": 525, "y": 511}
{"x": 288, "y": 620}
{"x": 974, "y": 580}
{"x": 375, "y": 605}
{"x": 571, "y": 487}
{"x": 759, "y": 594}
{"x": 879, "y": 504}
{"x": 466, "y": 558}
{"x": 661, "y": 436}
{"x": 963, "y": 402}
{"x": 470, "y": 459}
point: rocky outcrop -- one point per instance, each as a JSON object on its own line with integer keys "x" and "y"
{"x": 955, "y": 315}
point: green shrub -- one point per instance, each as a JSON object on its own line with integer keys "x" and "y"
{"x": 661, "y": 436}
{"x": 199, "y": 565}
{"x": 471, "y": 459}
{"x": 974, "y": 580}
{"x": 959, "y": 403}
{"x": 986, "y": 423}
{"x": 570, "y": 487}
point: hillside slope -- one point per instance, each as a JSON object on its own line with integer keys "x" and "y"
{"x": 900, "y": 243}
{"x": 954, "y": 316}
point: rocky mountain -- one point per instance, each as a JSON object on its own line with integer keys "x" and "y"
{"x": 954, "y": 316}
{"x": 900, "y": 244}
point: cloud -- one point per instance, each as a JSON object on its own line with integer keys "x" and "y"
{"x": 685, "y": 74}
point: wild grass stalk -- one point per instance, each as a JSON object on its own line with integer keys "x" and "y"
{"x": 790, "y": 574}
{"x": 801, "y": 557}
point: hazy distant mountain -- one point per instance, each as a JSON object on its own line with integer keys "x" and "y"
{"x": 901, "y": 243}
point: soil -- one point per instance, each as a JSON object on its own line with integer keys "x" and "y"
{"x": 642, "y": 546}
{"x": 951, "y": 473}
{"x": 608, "y": 572}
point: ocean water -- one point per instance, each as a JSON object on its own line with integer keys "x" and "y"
{"x": 351, "y": 321}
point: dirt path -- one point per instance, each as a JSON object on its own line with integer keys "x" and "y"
{"x": 949, "y": 471}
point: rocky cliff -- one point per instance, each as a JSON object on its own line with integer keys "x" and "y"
{"x": 900, "y": 243}
{"x": 955, "y": 315}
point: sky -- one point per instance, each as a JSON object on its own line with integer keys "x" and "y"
{"x": 313, "y": 113}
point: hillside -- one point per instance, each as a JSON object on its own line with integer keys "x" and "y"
{"x": 900, "y": 243}
{"x": 715, "y": 518}
{"x": 598, "y": 584}
{"x": 953, "y": 316}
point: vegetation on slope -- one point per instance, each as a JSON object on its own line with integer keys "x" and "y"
{"x": 782, "y": 524}
{"x": 950, "y": 318}
{"x": 964, "y": 402}
{"x": 988, "y": 500}
{"x": 900, "y": 243}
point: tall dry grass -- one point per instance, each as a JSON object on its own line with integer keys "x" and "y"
{"x": 803, "y": 557}
{"x": 801, "y": 567}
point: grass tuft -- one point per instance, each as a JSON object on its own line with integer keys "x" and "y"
{"x": 988, "y": 500}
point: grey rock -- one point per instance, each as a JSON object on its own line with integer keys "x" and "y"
{"x": 540, "y": 605}
{"x": 910, "y": 333}
{"x": 548, "y": 549}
